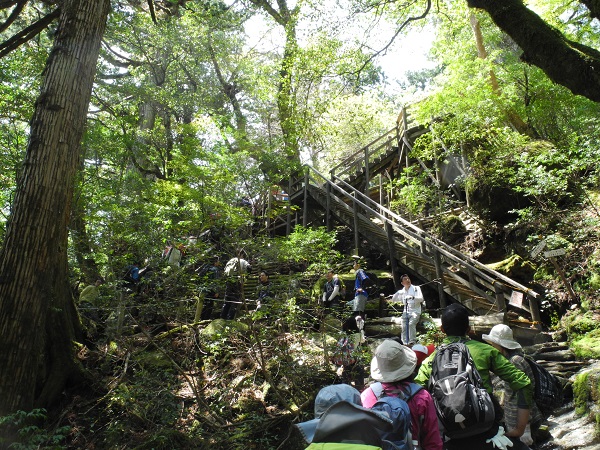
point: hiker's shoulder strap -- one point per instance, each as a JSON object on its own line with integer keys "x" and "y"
{"x": 377, "y": 389}
{"x": 412, "y": 389}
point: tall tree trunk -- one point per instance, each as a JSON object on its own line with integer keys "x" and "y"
{"x": 37, "y": 315}
{"x": 513, "y": 116}
{"x": 287, "y": 104}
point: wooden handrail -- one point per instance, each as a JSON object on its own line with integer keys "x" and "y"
{"x": 415, "y": 234}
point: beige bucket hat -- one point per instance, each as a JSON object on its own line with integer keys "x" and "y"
{"x": 392, "y": 362}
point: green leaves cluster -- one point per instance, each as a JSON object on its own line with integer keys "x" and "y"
{"x": 31, "y": 432}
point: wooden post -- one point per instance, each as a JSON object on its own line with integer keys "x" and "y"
{"x": 439, "y": 273}
{"x": 367, "y": 172}
{"x": 534, "y": 309}
{"x": 392, "y": 251}
{"x": 288, "y": 227}
{"x": 381, "y": 308}
{"x": 305, "y": 208}
{"x": 381, "y": 189}
{"x": 199, "y": 307}
{"x": 328, "y": 206}
{"x": 563, "y": 278}
{"x": 500, "y": 302}
{"x": 356, "y": 236}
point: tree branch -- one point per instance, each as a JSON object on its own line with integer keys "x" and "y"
{"x": 265, "y": 5}
{"x": 13, "y": 15}
{"x": 393, "y": 38}
{"x": 152, "y": 12}
{"x": 594, "y": 7}
{"x": 28, "y": 33}
{"x": 570, "y": 64}
{"x": 125, "y": 63}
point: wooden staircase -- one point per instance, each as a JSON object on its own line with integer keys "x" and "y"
{"x": 467, "y": 281}
{"x": 346, "y": 196}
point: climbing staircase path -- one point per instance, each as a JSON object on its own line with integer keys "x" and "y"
{"x": 345, "y": 196}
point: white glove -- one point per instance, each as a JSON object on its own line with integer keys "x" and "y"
{"x": 500, "y": 441}
{"x": 526, "y": 438}
{"x": 360, "y": 322}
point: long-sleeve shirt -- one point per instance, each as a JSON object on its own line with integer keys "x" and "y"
{"x": 359, "y": 283}
{"x": 423, "y": 418}
{"x": 411, "y": 298}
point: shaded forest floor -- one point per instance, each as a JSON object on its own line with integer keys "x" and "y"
{"x": 160, "y": 381}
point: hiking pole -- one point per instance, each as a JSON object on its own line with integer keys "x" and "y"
{"x": 406, "y": 308}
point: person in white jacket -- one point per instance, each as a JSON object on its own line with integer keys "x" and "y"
{"x": 411, "y": 298}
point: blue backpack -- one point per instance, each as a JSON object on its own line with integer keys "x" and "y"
{"x": 395, "y": 406}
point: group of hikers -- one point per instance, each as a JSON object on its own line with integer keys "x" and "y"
{"x": 422, "y": 397}
{"x": 434, "y": 399}
{"x": 409, "y": 296}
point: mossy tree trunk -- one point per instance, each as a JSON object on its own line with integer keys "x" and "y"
{"x": 37, "y": 315}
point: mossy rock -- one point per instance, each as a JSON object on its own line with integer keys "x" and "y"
{"x": 153, "y": 359}
{"x": 514, "y": 267}
{"x": 451, "y": 229}
{"x": 588, "y": 345}
{"x": 219, "y": 327}
{"x": 578, "y": 324}
{"x": 586, "y": 393}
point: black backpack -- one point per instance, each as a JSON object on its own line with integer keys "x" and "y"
{"x": 463, "y": 405}
{"x": 548, "y": 393}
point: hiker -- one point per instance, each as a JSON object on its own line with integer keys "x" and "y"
{"x": 412, "y": 298}
{"x": 264, "y": 290}
{"x": 132, "y": 276}
{"x": 211, "y": 274}
{"x": 234, "y": 271}
{"x": 393, "y": 367}
{"x": 333, "y": 289}
{"x": 90, "y": 293}
{"x": 356, "y": 321}
{"x": 340, "y": 418}
{"x": 501, "y": 337}
{"x": 88, "y": 300}
{"x": 486, "y": 359}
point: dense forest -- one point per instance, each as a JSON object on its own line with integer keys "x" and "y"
{"x": 129, "y": 126}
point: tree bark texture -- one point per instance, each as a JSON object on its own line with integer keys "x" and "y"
{"x": 573, "y": 65}
{"x": 36, "y": 307}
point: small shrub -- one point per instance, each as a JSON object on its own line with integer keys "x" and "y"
{"x": 25, "y": 426}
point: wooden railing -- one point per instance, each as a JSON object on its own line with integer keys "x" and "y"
{"x": 362, "y": 160}
{"x": 471, "y": 273}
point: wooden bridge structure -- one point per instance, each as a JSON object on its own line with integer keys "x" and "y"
{"x": 350, "y": 195}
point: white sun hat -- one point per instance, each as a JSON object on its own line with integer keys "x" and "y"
{"x": 503, "y": 336}
{"x": 392, "y": 362}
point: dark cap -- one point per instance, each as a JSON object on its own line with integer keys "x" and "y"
{"x": 455, "y": 320}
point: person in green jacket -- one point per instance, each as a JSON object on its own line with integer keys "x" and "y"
{"x": 455, "y": 323}
{"x": 90, "y": 294}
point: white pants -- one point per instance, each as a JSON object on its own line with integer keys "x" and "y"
{"x": 413, "y": 320}
{"x": 360, "y": 303}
